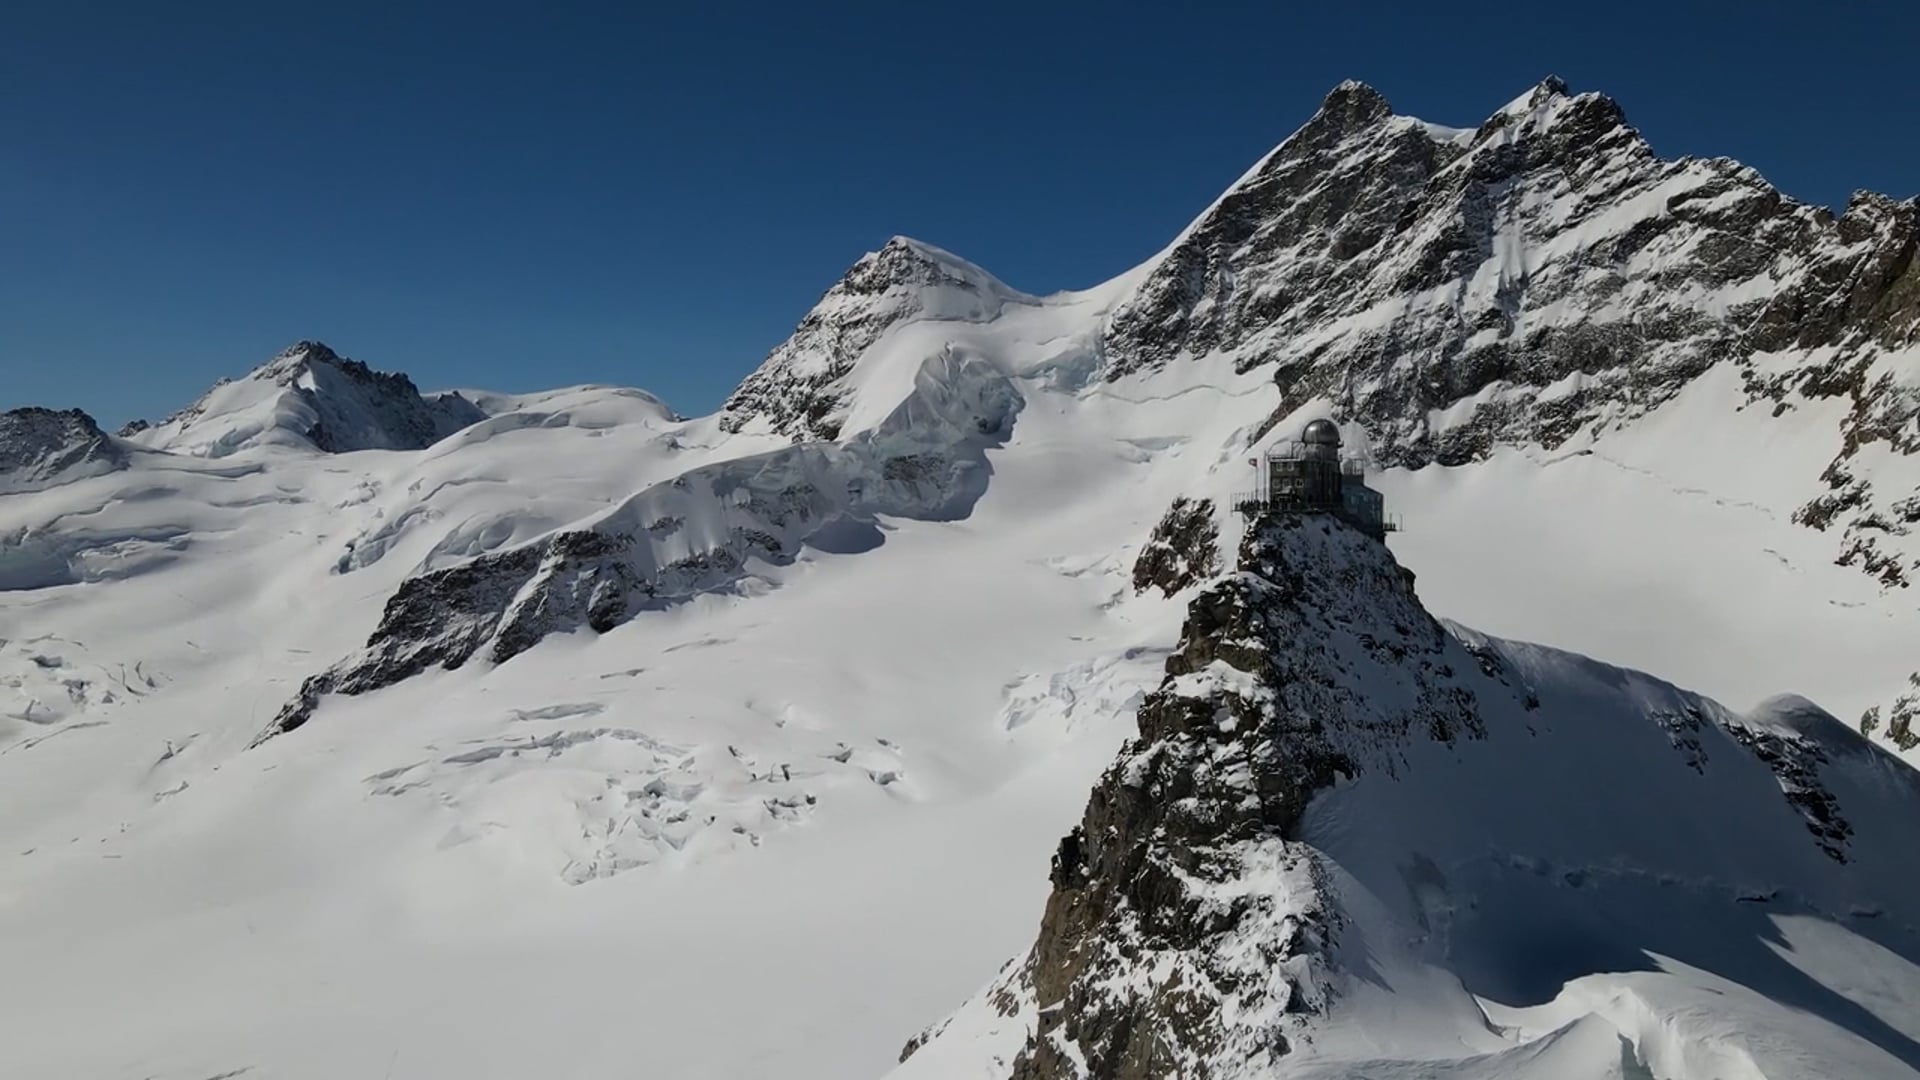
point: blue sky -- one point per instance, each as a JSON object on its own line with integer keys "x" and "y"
{"x": 521, "y": 196}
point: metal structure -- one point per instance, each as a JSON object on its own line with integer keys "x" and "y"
{"x": 1309, "y": 475}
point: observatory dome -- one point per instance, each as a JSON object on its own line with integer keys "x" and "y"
{"x": 1321, "y": 433}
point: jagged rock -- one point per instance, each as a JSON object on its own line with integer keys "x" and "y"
{"x": 1543, "y": 278}
{"x": 43, "y": 447}
{"x": 1900, "y": 716}
{"x": 1183, "y": 549}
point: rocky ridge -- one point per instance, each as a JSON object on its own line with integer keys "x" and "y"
{"x": 40, "y": 448}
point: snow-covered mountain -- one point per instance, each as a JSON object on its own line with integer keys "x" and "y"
{"x": 310, "y": 397}
{"x": 41, "y": 448}
{"x": 346, "y": 730}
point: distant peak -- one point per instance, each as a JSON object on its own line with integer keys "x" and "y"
{"x": 906, "y": 261}
{"x": 1354, "y": 103}
{"x": 309, "y": 350}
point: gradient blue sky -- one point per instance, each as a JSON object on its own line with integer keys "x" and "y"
{"x": 522, "y": 196}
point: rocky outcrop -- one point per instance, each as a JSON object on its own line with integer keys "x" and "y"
{"x": 1183, "y": 550}
{"x": 1898, "y": 717}
{"x": 43, "y": 447}
{"x": 1542, "y": 278}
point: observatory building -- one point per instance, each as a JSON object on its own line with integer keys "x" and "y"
{"x": 1308, "y": 475}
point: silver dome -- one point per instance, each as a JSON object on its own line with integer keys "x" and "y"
{"x": 1321, "y": 433}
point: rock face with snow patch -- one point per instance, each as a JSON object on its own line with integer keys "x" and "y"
{"x": 1543, "y": 277}
{"x": 1327, "y": 773}
{"x": 1183, "y": 550}
{"x": 43, "y": 447}
{"x": 800, "y": 389}
{"x": 310, "y": 397}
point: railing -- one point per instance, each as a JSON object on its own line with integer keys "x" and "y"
{"x": 1260, "y": 502}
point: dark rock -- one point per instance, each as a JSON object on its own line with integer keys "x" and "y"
{"x": 1183, "y": 549}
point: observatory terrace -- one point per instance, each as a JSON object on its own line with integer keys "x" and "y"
{"x": 1310, "y": 475}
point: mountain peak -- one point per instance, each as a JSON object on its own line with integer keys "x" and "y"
{"x": 1353, "y": 104}
{"x": 309, "y": 350}
{"x": 311, "y": 397}
{"x": 42, "y": 447}
{"x": 802, "y": 390}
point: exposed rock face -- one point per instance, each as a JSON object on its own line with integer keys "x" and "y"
{"x": 43, "y": 447}
{"x": 1183, "y": 550}
{"x": 1182, "y": 888}
{"x": 800, "y": 391}
{"x": 1899, "y": 717}
{"x": 1543, "y": 277}
{"x": 311, "y": 397}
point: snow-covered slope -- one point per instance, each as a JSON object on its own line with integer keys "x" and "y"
{"x": 310, "y": 398}
{"x": 351, "y": 731}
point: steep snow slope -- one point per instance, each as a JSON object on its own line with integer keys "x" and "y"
{"x": 593, "y": 727}
{"x": 310, "y": 398}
